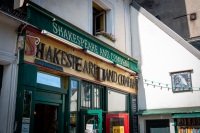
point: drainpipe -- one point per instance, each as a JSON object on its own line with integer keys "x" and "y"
{"x": 131, "y": 29}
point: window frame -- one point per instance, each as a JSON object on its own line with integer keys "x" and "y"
{"x": 109, "y": 15}
{"x": 120, "y": 92}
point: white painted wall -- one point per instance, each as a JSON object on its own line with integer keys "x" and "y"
{"x": 8, "y": 38}
{"x": 158, "y": 55}
{"x": 79, "y": 13}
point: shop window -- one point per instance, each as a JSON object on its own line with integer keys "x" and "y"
{"x": 73, "y": 105}
{"x": 74, "y": 92}
{"x": 48, "y": 79}
{"x": 186, "y": 124}
{"x": 1, "y": 76}
{"x": 99, "y": 18}
{"x": 90, "y": 95}
{"x": 115, "y": 99}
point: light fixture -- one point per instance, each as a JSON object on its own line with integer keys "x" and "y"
{"x": 20, "y": 42}
{"x": 60, "y": 39}
{"x": 132, "y": 73}
{"x": 96, "y": 55}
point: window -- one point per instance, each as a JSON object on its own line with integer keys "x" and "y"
{"x": 48, "y": 79}
{"x": 1, "y": 76}
{"x": 73, "y": 100}
{"x": 90, "y": 95}
{"x": 115, "y": 99}
{"x": 73, "y": 105}
{"x": 99, "y": 18}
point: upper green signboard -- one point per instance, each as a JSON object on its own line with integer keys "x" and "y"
{"x": 46, "y": 21}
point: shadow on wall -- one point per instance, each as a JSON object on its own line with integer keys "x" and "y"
{"x": 172, "y": 13}
{"x": 136, "y": 52}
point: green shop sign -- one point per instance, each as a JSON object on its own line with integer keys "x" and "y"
{"x": 47, "y": 21}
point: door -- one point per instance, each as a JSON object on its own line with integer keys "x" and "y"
{"x": 46, "y": 118}
{"x": 117, "y": 123}
{"x": 91, "y": 121}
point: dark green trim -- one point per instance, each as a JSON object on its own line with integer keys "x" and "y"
{"x": 48, "y": 88}
{"x": 169, "y": 111}
{"x": 175, "y": 126}
{"x": 105, "y": 99}
{"x": 130, "y": 113}
{"x": 36, "y": 15}
{"x": 92, "y": 112}
{"x": 47, "y": 103}
{"x": 51, "y": 100}
{"x": 189, "y": 115}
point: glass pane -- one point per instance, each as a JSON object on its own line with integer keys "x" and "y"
{"x": 91, "y": 123}
{"x": 47, "y": 79}
{"x": 96, "y": 97}
{"x": 115, "y": 99}
{"x": 26, "y": 111}
{"x": 116, "y": 125}
{"x": 85, "y": 95}
{"x": 73, "y": 100}
{"x": 73, "y": 105}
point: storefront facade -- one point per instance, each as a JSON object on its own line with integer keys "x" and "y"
{"x": 69, "y": 81}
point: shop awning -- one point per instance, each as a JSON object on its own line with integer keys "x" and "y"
{"x": 169, "y": 111}
{"x": 190, "y": 115}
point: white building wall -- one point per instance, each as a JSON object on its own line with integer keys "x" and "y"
{"x": 160, "y": 53}
{"x": 79, "y": 13}
{"x": 8, "y": 39}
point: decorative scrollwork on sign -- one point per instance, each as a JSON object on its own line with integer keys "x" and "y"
{"x": 33, "y": 41}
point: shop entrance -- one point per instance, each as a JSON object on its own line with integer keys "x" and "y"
{"x": 45, "y": 118}
{"x": 91, "y": 121}
{"x": 117, "y": 123}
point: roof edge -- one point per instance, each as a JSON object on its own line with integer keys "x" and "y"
{"x": 169, "y": 111}
{"x": 166, "y": 29}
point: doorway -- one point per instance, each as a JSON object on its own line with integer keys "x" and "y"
{"x": 157, "y": 126}
{"x": 45, "y": 118}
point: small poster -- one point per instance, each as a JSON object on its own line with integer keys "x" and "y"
{"x": 25, "y": 128}
{"x": 118, "y": 129}
{"x": 89, "y": 127}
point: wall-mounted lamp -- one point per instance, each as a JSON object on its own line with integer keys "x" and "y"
{"x": 96, "y": 55}
{"x": 20, "y": 42}
{"x": 60, "y": 39}
{"x": 132, "y": 73}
